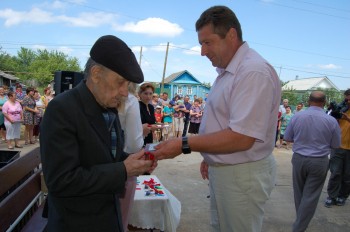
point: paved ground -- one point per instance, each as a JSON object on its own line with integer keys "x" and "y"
{"x": 24, "y": 150}
{"x": 181, "y": 177}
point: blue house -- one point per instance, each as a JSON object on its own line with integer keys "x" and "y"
{"x": 184, "y": 83}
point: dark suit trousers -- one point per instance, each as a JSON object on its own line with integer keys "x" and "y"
{"x": 339, "y": 181}
{"x": 309, "y": 175}
{"x": 186, "y": 123}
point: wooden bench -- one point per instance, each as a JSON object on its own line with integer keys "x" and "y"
{"x": 21, "y": 196}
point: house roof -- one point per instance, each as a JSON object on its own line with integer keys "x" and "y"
{"x": 310, "y": 84}
{"x": 8, "y": 76}
{"x": 176, "y": 75}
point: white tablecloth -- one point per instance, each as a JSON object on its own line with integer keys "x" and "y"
{"x": 159, "y": 212}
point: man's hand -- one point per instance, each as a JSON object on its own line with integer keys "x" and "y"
{"x": 204, "y": 170}
{"x": 136, "y": 164}
{"x": 168, "y": 149}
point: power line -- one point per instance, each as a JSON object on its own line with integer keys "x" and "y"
{"x": 33, "y": 73}
{"x": 113, "y": 12}
{"x": 328, "y": 71}
{"x": 82, "y": 46}
{"x": 149, "y": 63}
{"x": 98, "y": 9}
{"x": 300, "y": 51}
{"x": 317, "y": 73}
{"x": 306, "y": 10}
{"x": 320, "y": 5}
{"x": 297, "y": 69}
{"x": 46, "y": 44}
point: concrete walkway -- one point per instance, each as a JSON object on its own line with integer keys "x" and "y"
{"x": 181, "y": 177}
{"x": 24, "y": 150}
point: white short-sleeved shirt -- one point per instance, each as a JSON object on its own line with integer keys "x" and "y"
{"x": 245, "y": 98}
{"x": 130, "y": 121}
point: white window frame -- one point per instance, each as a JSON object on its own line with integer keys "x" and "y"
{"x": 179, "y": 90}
{"x": 189, "y": 90}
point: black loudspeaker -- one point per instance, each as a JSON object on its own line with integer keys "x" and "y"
{"x": 66, "y": 80}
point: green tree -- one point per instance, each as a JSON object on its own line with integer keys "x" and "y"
{"x": 207, "y": 84}
{"x": 333, "y": 95}
{"x": 37, "y": 66}
{"x": 291, "y": 95}
{"x": 7, "y": 62}
{"x": 22, "y": 61}
{"x": 46, "y": 63}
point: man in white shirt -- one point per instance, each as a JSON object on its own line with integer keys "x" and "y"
{"x": 236, "y": 144}
{"x": 283, "y": 106}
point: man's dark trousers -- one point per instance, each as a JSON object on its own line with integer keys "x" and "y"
{"x": 186, "y": 122}
{"x": 339, "y": 181}
{"x": 309, "y": 175}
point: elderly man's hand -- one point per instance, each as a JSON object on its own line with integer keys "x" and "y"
{"x": 168, "y": 149}
{"x": 136, "y": 164}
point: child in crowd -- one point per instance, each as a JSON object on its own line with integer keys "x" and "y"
{"x": 167, "y": 119}
{"x": 179, "y": 117}
{"x": 158, "y": 114}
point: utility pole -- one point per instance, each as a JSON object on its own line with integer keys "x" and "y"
{"x": 166, "y": 58}
{"x": 140, "y": 56}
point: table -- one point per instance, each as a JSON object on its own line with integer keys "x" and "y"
{"x": 154, "y": 211}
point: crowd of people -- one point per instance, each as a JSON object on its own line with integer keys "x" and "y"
{"x": 19, "y": 108}
{"x": 169, "y": 118}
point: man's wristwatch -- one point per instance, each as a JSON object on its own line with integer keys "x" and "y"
{"x": 185, "y": 147}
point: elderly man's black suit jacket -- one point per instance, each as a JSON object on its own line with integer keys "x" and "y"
{"x": 81, "y": 174}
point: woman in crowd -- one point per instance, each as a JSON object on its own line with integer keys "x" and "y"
{"x": 3, "y": 99}
{"x": 29, "y": 112}
{"x": 47, "y": 96}
{"x": 147, "y": 110}
{"x": 6, "y": 90}
{"x": 155, "y": 101}
{"x": 129, "y": 116}
{"x": 285, "y": 119}
{"x": 201, "y": 104}
{"x": 40, "y": 105}
{"x": 13, "y": 113}
{"x": 19, "y": 93}
{"x": 195, "y": 117}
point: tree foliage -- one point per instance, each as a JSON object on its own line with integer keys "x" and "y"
{"x": 333, "y": 95}
{"x": 207, "y": 84}
{"x": 7, "y": 62}
{"x": 294, "y": 97}
{"x": 37, "y": 66}
{"x": 291, "y": 95}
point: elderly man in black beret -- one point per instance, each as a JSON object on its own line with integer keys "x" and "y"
{"x": 81, "y": 144}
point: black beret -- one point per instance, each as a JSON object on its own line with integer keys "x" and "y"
{"x": 114, "y": 54}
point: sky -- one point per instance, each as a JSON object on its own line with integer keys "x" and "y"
{"x": 300, "y": 38}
